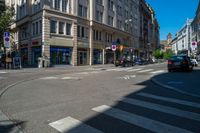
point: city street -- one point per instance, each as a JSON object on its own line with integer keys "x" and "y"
{"x": 100, "y": 99}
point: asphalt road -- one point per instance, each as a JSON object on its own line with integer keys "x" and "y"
{"x": 96, "y": 99}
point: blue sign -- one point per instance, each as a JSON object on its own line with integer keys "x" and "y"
{"x": 7, "y": 34}
{"x": 114, "y": 43}
{"x": 7, "y": 39}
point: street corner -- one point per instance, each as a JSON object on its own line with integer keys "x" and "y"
{"x": 182, "y": 82}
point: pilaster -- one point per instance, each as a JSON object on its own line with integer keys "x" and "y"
{"x": 74, "y": 53}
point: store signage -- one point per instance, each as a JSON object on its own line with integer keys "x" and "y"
{"x": 6, "y": 39}
{"x": 114, "y": 47}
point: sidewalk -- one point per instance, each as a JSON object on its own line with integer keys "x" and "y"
{"x": 183, "y": 82}
{"x": 58, "y": 67}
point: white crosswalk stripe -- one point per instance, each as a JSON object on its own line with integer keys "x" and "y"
{"x": 71, "y": 125}
{"x": 164, "y": 109}
{"x": 127, "y": 77}
{"x": 2, "y": 72}
{"x": 173, "y": 100}
{"x": 159, "y": 71}
{"x": 141, "y": 121}
{"x": 143, "y": 71}
{"x": 134, "y": 70}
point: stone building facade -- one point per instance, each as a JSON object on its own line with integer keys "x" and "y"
{"x": 78, "y": 32}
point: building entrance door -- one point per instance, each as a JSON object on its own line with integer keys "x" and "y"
{"x": 82, "y": 57}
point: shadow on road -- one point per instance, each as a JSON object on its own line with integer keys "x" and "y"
{"x": 14, "y": 126}
{"x": 143, "y": 111}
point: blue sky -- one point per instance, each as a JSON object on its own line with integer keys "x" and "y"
{"x": 172, "y": 14}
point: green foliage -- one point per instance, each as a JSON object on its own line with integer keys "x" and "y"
{"x": 168, "y": 54}
{"x": 158, "y": 54}
{"x": 6, "y": 20}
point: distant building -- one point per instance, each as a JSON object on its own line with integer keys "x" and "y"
{"x": 182, "y": 43}
{"x": 195, "y": 35}
{"x": 165, "y": 44}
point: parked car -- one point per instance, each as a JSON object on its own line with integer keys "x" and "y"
{"x": 180, "y": 62}
{"x": 141, "y": 61}
{"x": 194, "y": 62}
{"x": 125, "y": 61}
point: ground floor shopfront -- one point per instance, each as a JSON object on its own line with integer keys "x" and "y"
{"x": 60, "y": 55}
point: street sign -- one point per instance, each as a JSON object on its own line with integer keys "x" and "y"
{"x": 194, "y": 45}
{"x": 114, "y": 47}
{"x": 6, "y": 39}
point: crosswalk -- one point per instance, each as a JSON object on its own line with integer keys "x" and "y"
{"x": 131, "y": 73}
{"x": 152, "y": 115}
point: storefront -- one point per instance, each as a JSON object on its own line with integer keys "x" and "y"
{"x": 24, "y": 56}
{"x": 98, "y": 56}
{"x": 82, "y": 57}
{"x": 61, "y": 55}
{"x": 36, "y": 53}
{"x": 109, "y": 56}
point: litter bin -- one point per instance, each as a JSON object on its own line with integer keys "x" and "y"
{"x": 40, "y": 62}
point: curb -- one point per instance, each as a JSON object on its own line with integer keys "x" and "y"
{"x": 173, "y": 88}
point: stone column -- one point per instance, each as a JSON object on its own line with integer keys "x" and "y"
{"x": 45, "y": 35}
{"x": 91, "y": 46}
{"x": 103, "y": 56}
{"x": 75, "y": 45}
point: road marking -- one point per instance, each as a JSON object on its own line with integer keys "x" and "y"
{"x": 68, "y": 78}
{"x": 127, "y": 77}
{"x": 47, "y": 78}
{"x": 2, "y": 72}
{"x": 164, "y": 109}
{"x": 159, "y": 71}
{"x": 140, "y": 121}
{"x": 148, "y": 70}
{"x": 69, "y": 125}
{"x": 134, "y": 70}
{"x": 182, "y": 102}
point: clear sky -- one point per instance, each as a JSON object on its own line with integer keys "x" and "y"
{"x": 172, "y": 14}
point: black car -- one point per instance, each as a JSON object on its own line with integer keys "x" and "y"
{"x": 180, "y": 62}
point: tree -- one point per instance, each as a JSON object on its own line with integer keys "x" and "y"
{"x": 168, "y": 54}
{"x": 158, "y": 54}
{"x": 6, "y": 20}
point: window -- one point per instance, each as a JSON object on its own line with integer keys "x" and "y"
{"x": 53, "y": 26}
{"x": 61, "y": 27}
{"x": 36, "y": 28}
{"x": 64, "y": 5}
{"x": 99, "y": 16}
{"x": 40, "y": 26}
{"x": 33, "y": 28}
{"x": 68, "y": 29}
{"x": 82, "y": 11}
{"x": 79, "y": 31}
{"x": 110, "y": 20}
{"x": 57, "y": 5}
{"x": 110, "y": 5}
{"x": 83, "y": 32}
